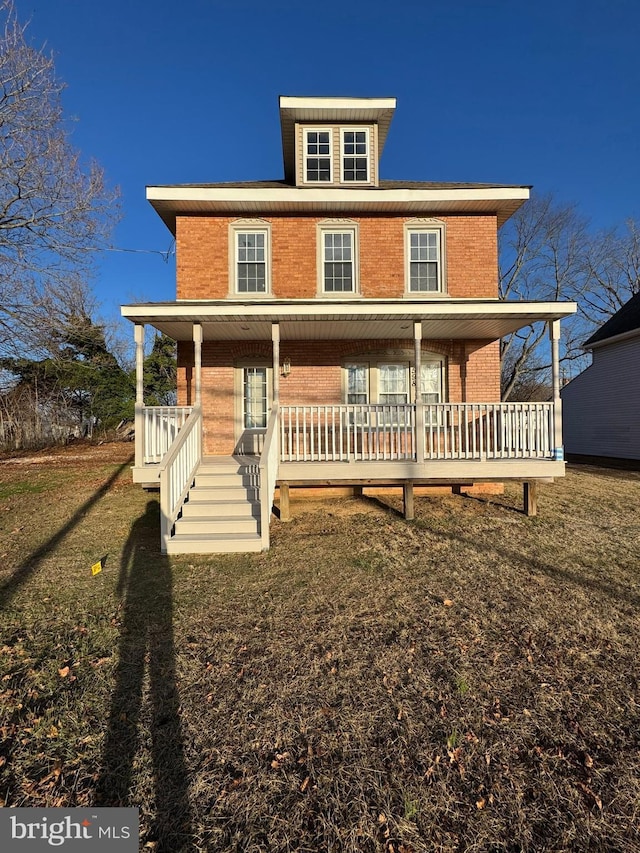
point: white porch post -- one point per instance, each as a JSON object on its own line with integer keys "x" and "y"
{"x": 139, "y": 405}
{"x": 197, "y": 354}
{"x": 417, "y": 363}
{"x": 275, "y": 339}
{"x": 554, "y": 334}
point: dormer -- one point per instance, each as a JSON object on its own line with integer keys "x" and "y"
{"x": 334, "y": 142}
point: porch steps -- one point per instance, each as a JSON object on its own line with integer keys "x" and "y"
{"x": 222, "y": 512}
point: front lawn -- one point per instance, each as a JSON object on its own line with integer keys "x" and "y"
{"x": 467, "y": 681}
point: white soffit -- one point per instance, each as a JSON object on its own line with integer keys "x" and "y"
{"x": 171, "y": 201}
{"x": 230, "y": 321}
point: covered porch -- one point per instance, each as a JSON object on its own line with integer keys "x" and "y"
{"x": 462, "y": 441}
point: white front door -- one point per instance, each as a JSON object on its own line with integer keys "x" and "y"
{"x": 255, "y": 409}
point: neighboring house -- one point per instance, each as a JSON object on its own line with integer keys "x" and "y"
{"x": 602, "y": 404}
{"x": 335, "y": 329}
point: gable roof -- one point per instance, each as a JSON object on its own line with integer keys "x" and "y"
{"x": 626, "y": 321}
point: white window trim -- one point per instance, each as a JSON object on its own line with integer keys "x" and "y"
{"x": 421, "y": 226}
{"x": 338, "y": 226}
{"x": 305, "y": 131}
{"x": 373, "y": 365}
{"x": 367, "y": 131}
{"x": 249, "y": 226}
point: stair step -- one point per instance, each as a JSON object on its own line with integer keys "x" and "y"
{"x": 193, "y": 543}
{"x": 213, "y": 479}
{"x": 232, "y": 524}
{"x": 223, "y": 493}
{"x": 195, "y": 508}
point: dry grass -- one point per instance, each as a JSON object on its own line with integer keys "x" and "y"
{"x": 467, "y": 681}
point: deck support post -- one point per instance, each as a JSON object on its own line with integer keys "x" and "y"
{"x": 407, "y": 495}
{"x": 139, "y": 404}
{"x": 197, "y": 357}
{"x": 285, "y": 509}
{"x": 530, "y": 496}
{"x": 554, "y": 335}
{"x": 417, "y": 364}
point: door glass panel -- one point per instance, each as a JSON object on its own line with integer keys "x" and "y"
{"x": 255, "y": 397}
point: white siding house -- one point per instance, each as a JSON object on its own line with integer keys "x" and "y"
{"x": 601, "y": 406}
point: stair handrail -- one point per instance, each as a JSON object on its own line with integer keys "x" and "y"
{"x": 269, "y": 462}
{"x": 177, "y": 472}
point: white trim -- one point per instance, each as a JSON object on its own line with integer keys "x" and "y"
{"x": 248, "y": 226}
{"x": 274, "y": 310}
{"x": 614, "y": 339}
{"x": 368, "y": 156}
{"x": 337, "y": 226}
{"x": 288, "y": 102}
{"x": 346, "y": 195}
{"x": 425, "y": 226}
{"x": 305, "y": 129}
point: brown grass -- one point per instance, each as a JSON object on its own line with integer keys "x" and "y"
{"x": 467, "y": 681}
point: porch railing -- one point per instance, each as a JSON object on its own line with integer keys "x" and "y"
{"x": 388, "y": 432}
{"x": 489, "y": 431}
{"x": 177, "y": 472}
{"x": 269, "y": 460}
{"x": 161, "y": 425}
{"x": 345, "y": 433}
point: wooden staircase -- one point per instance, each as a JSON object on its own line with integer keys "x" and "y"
{"x": 221, "y": 514}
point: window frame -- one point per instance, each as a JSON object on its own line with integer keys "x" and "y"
{"x": 367, "y": 132}
{"x": 337, "y": 227}
{"x": 425, "y": 226}
{"x": 248, "y": 226}
{"x": 306, "y": 156}
{"x": 373, "y": 365}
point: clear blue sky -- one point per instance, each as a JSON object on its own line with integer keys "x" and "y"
{"x": 543, "y": 93}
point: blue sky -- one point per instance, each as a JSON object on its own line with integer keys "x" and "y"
{"x": 542, "y": 93}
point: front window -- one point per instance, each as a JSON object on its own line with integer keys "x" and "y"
{"x": 424, "y": 254}
{"x": 355, "y": 155}
{"x": 393, "y": 384}
{"x": 254, "y": 395}
{"x": 251, "y": 262}
{"x": 431, "y": 382}
{"x": 317, "y": 149}
{"x": 357, "y": 383}
{"x": 338, "y": 261}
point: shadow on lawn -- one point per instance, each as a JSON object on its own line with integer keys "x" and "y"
{"x": 147, "y": 647}
{"x": 29, "y": 566}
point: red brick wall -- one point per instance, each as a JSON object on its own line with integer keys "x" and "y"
{"x": 202, "y": 252}
{"x": 316, "y": 376}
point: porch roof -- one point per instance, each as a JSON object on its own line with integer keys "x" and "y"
{"x": 346, "y": 319}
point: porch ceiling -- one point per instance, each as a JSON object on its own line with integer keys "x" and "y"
{"x": 339, "y": 320}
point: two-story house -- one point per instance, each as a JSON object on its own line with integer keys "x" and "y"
{"x": 333, "y": 328}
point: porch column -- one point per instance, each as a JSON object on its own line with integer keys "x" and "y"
{"x": 554, "y": 334}
{"x": 197, "y": 354}
{"x": 417, "y": 364}
{"x": 275, "y": 339}
{"x": 139, "y": 405}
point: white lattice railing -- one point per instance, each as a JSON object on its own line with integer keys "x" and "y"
{"x": 177, "y": 471}
{"x": 342, "y": 433}
{"x": 161, "y": 425}
{"x": 269, "y": 460}
{"x": 372, "y": 433}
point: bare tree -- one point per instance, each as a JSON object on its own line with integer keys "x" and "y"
{"x": 55, "y": 210}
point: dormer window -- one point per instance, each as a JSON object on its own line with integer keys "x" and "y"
{"x": 317, "y": 156}
{"x": 355, "y": 154}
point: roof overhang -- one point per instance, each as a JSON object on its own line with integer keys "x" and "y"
{"x": 614, "y": 339}
{"x": 331, "y": 111}
{"x": 172, "y": 201}
{"x": 231, "y": 320}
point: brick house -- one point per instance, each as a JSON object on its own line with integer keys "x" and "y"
{"x": 334, "y": 328}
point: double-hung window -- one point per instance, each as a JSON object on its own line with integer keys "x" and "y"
{"x": 393, "y": 384}
{"x": 337, "y": 259}
{"x": 249, "y": 249}
{"x": 357, "y": 383}
{"x": 317, "y": 156}
{"x": 424, "y": 259}
{"x": 355, "y": 155}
